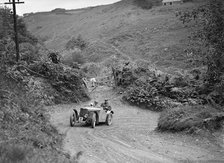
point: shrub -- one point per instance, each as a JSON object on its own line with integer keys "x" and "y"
{"x": 28, "y": 52}
{"x": 142, "y": 63}
{"x": 144, "y": 4}
{"x": 64, "y": 79}
{"x": 145, "y": 95}
{"x": 73, "y": 56}
{"x": 91, "y": 69}
{"x": 54, "y": 57}
{"x": 124, "y": 74}
{"x": 59, "y": 11}
{"x": 190, "y": 118}
{"x": 111, "y": 62}
{"x": 13, "y": 153}
{"x": 155, "y": 90}
{"x": 7, "y": 50}
{"x": 76, "y": 42}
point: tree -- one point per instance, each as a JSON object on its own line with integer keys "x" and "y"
{"x": 7, "y": 22}
{"x": 214, "y": 37}
{"x": 210, "y": 22}
{"x": 6, "y": 27}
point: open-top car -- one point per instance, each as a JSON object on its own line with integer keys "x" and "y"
{"x": 91, "y": 115}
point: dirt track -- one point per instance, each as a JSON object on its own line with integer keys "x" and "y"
{"x": 131, "y": 138}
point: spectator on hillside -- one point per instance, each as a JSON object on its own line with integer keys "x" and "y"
{"x": 93, "y": 82}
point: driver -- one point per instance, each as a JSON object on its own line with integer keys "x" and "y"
{"x": 106, "y": 105}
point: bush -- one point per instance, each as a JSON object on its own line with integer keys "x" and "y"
{"x": 144, "y": 4}
{"x": 78, "y": 42}
{"x": 73, "y": 56}
{"x": 7, "y": 50}
{"x": 13, "y": 153}
{"x": 28, "y": 52}
{"x": 145, "y": 95}
{"x": 65, "y": 80}
{"x": 91, "y": 69}
{"x": 142, "y": 63}
{"x": 59, "y": 11}
{"x": 111, "y": 62}
{"x": 190, "y": 118}
{"x": 155, "y": 90}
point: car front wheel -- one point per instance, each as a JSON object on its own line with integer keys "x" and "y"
{"x": 73, "y": 119}
{"x": 109, "y": 119}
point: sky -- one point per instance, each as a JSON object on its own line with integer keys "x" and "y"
{"x": 48, "y": 5}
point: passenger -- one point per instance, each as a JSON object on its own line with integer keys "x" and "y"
{"x": 93, "y": 103}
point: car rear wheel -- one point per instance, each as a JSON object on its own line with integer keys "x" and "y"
{"x": 73, "y": 119}
{"x": 109, "y": 119}
{"x": 93, "y": 121}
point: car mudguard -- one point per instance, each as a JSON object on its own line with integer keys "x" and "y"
{"x": 76, "y": 112}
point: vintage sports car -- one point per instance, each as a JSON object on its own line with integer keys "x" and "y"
{"x": 91, "y": 115}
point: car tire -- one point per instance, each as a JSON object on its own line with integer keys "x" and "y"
{"x": 73, "y": 119}
{"x": 93, "y": 120}
{"x": 109, "y": 119}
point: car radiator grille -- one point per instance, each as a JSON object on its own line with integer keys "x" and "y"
{"x": 83, "y": 112}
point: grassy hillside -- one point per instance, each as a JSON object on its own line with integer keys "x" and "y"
{"x": 120, "y": 29}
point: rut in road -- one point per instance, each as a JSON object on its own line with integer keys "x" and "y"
{"x": 131, "y": 137}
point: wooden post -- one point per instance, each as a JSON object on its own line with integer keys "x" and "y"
{"x": 15, "y": 26}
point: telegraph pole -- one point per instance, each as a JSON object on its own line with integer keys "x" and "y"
{"x": 15, "y": 26}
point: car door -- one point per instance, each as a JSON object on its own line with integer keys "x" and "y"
{"x": 103, "y": 115}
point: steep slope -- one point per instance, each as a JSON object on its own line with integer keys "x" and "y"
{"x": 124, "y": 28}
